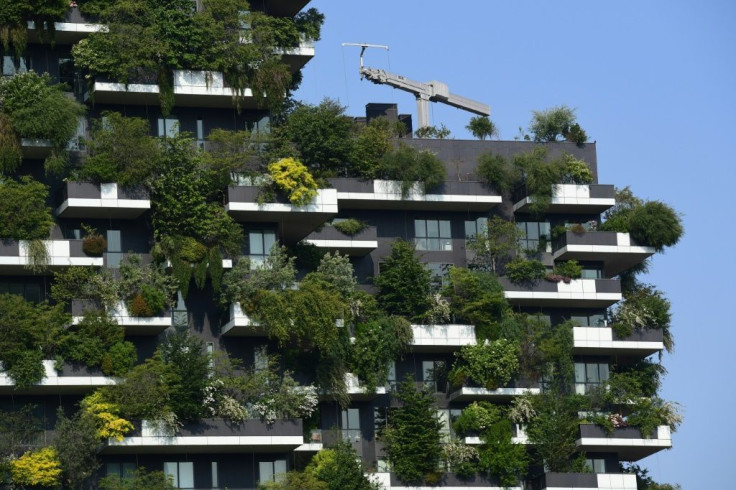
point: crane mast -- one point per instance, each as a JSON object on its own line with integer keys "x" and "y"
{"x": 425, "y": 92}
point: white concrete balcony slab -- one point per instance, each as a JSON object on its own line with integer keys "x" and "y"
{"x": 69, "y": 380}
{"x": 386, "y": 194}
{"x": 570, "y": 199}
{"x": 35, "y": 148}
{"x": 473, "y": 393}
{"x": 627, "y": 442}
{"x": 211, "y": 436}
{"x": 71, "y": 30}
{"x": 519, "y": 437}
{"x": 442, "y": 338}
{"x": 356, "y": 391}
{"x": 240, "y": 324}
{"x": 296, "y": 222}
{"x": 617, "y": 251}
{"x": 88, "y": 200}
{"x": 604, "y": 341}
{"x": 134, "y": 325}
{"x": 62, "y": 253}
{"x": 450, "y": 481}
{"x": 593, "y": 293}
{"x": 332, "y": 240}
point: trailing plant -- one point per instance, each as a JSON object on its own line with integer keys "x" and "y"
{"x": 643, "y": 307}
{"x": 23, "y": 211}
{"x": 37, "y": 468}
{"x": 350, "y": 226}
{"x": 404, "y": 283}
{"x": 293, "y": 178}
{"x": 412, "y": 438}
{"x": 649, "y": 413}
{"x": 38, "y": 256}
{"x": 242, "y": 283}
{"x": 490, "y": 364}
{"x": 525, "y": 272}
{"x": 11, "y": 155}
{"x": 408, "y": 165}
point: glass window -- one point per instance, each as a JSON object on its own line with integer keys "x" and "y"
{"x": 114, "y": 248}
{"x": 589, "y": 375}
{"x": 181, "y": 315}
{"x": 215, "y": 475}
{"x": 591, "y": 273}
{"x": 168, "y": 127}
{"x": 475, "y": 227}
{"x": 391, "y": 378}
{"x": 590, "y": 319}
{"x": 200, "y": 134}
{"x": 440, "y": 274}
{"x": 596, "y": 465}
{"x": 260, "y": 243}
{"x": 434, "y": 374}
{"x": 30, "y": 292}
{"x": 122, "y": 470}
{"x": 350, "y": 424}
{"x": 181, "y": 473}
{"x": 271, "y": 470}
{"x": 260, "y": 358}
{"x": 12, "y": 66}
{"x": 535, "y": 233}
{"x": 432, "y": 234}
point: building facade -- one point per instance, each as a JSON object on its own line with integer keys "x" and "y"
{"x": 440, "y": 222}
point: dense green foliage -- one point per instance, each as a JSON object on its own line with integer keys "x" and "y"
{"x": 94, "y": 341}
{"x": 491, "y": 365}
{"x": 339, "y": 468}
{"x": 525, "y": 271}
{"x": 412, "y": 436}
{"x": 408, "y": 165}
{"x": 476, "y": 298}
{"x": 493, "y": 244}
{"x": 78, "y": 446}
{"x": 23, "y": 211}
{"x": 350, "y": 226}
{"x": 404, "y": 283}
{"x": 36, "y": 109}
{"x": 496, "y": 172}
{"x": 551, "y": 124}
{"x": 642, "y": 308}
{"x": 151, "y": 480}
{"x": 377, "y": 344}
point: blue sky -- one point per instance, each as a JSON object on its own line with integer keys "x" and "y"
{"x": 654, "y": 83}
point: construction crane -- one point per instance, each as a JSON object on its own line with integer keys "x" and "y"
{"x": 425, "y": 92}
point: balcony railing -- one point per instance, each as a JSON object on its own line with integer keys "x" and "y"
{"x": 70, "y": 379}
{"x": 88, "y": 200}
{"x": 62, "y": 253}
{"x": 592, "y": 293}
{"x": 628, "y": 442}
{"x": 583, "y": 481}
{"x": 442, "y": 338}
{"x": 134, "y": 325}
{"x": 569, "y": 198}
{"x": 331, "y": 239}
{"x": 604, "y": 341}
{"x": 617, "y": 251}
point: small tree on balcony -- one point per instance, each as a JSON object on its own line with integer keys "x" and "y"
{"x": 404, "y": 283}
{"x": 482, "y": 127}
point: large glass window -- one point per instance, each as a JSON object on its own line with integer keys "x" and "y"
{"x": 434, "y": 374}
{"x": 271, "y": 470}
{"x": 535, "y": 233}
{"x": 181, "y": 473}
{"x": 447, "y": 416}
{"x": 168, "y": 127}
{"x": 121, "y": 470}
{"x": 260, "y": 243}
{"x": 589, "y": 319}
{"x": 589, "y": 375}
{"x": 13, "y": 67}
{"x": 432, "y": 234}
{"x": 350, "y": 424}
{"x": 30, "y": 292}
{"x": 114, "y": 248}
{"x": 596, "y": 465}
{"x": 440, "y": 274}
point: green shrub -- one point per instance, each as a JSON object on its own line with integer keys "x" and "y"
{"x": 88, "y": 343}
{"x": 350, "y": 226}
{"x": 23, "y": 211}
{"x": 491, "y": 364}
{"x": 26, "y": 369}
{"x": 522, "y": 271}
{"x": 293, "y": 178}
{"x": 404, "y": 283}
{"x": 119, "y": 359}
{"x": 377, "y": 344}
{"x": 497, "y": 172}
{"x": 655, "y": 224}
{"x": 482, "y": 127}
{"x": 94, "y": 245}
{"x": 154, "y": 297}
{"x": 138, "y": 306}
{"x": 549, "y": 124}
{"x": 140, "y": 478}
{"x": 575, "y": 171}
{"x": 569, "y": 268}
{"x": 409, "y": 165}
{"x": 191, "y": 250}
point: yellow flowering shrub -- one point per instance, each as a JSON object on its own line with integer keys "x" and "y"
{"x": 37, "y": 468}
{"x": 106, "y": 416}
{"x": 292, "y": 177}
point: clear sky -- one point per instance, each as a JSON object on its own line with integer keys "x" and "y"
{"x": 654, "y": 83}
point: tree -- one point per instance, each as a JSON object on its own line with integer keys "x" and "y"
{"x": 496, "y": 242}
{"x": 78, "y": 444}
{"x": 550, "y": 124}
{"x": 553, "y": 431}
{"x": 409, "y": 166}
{"x": 39, "y": 468}
{"x": 339, "y": 468}
{"x": 23, "y": 211}
{"x": 482, "y": 127}
{"x": 432, "y": 132}
{"x": 656, "y": 224}
{"x": 371, "y": 144}
{"x": 404, "y": 283}
{"x": 498, "y": 172}
{"x": 412, "y": 438}
{"x": 322, "y": 136}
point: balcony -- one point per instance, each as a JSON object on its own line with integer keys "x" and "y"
{"x": 604, "y": 341}
{"x": 62, "y": 253}
{"x": 72, "y": 29}
{"x": 441, "y": 338}
{"x": 314, "y": 444}
{"x": 449, "y": 481}
{"x": 103, "y": 201}
{"x": 519, "y": 437}
{"x": 627, "y": 442}
{"x": 35, "y": 148}
{"x": 295, "y": 222}
{"x": 579, "y": 293}
{"x": 239, "y": 324}
{"x": 134, "y": 325}
{"x": 211, "y": 436}
{"x": 617, "y": 251}
{"x": 191, "y": 89}
{"x": 475, "y": 393}
{"x": 356, "y": 391}
{"x": 386, "y": 194}
{"x": 584, "y": 481}
{"x": 570, "y": 199}
{"x": 332, "y": 240}
{"x": 72, "y": 379}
